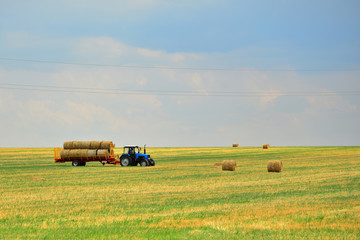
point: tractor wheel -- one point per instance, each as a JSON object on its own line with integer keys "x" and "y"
{"x": 152, "y": 162}
{"x": 144, "y": 163}
{"x": 125, "y": 161}
{"x": 75, "y": 163}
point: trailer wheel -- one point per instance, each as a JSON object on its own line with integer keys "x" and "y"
{"x": 125, "y": 162}
{"x": 75, "y": 163}
{"x": 144, "y": 163}
{"x": 83, "y": 164}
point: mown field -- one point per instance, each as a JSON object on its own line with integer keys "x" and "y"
{"x": 317, "y": 196}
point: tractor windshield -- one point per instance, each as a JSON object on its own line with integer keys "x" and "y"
{"x": 131, "y": 150}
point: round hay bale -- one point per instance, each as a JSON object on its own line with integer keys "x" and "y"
{"x": 228, "y": 165}
{"x": 102, "y": 153}
{"x": 74, "y": 153}
{"x": 67, "y": 153}
{"x": 85, "y": 152}
{"x": 77, "y": 153}
{"x": 266, "y": 146}
{"x": 91, "y": 153}
{"x": 217, "y": 165}
{"x": 88, "y": 145}
{"x": 275, "y": 166}
{"x": 106, "y": 145}
{"x": 68, "y": 145}
{"x": 95, "y": 145}
{"x": 64, "y": 153}
{"x": 76, "y": 145}
{"x": 82, "y": 145}
{"x": 235, "y": 145}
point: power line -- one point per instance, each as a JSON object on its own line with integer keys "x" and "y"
{"x": 47, "y": 88}
{"x": 180, "y": 68}
{"x": 166, "y": 91}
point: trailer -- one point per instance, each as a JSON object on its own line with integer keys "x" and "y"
{"x": 81, "y": 152}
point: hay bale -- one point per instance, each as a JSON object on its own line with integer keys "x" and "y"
{"x": 217, "y": 165}
{"x": 88, "y": 145}
{"x": 76, "y": 145}
{"x": 77, "y": 153}
{"x": 95, "y": 144}
{"x": 229, "y": 165}
{"x": 106, "y": 145}
{"x": 91, "y": 153}
{"x": 81, "y": 144}
{"x": 102, "y": 153}
{"x": 275, "y": 166}
{"x": 235, "y": 145}
{"x": 266, "y": 146}
{"x": 64, "y": 153}
{"x": 84, "y": 153}
{"x": 68, "y": 145}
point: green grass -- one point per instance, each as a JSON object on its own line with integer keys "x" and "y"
{"x": 317, "y": 196}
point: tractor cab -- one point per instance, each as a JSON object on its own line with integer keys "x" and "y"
{"x": 132, "y": 156}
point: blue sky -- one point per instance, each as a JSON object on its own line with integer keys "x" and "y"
{"x": 281, "y": 46}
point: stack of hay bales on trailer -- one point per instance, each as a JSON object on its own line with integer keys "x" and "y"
{"x": 87, "y": 150}
{"x": 235, "y": 145}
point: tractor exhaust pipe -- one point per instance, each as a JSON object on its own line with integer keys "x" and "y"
{"x": 145, "y": 149}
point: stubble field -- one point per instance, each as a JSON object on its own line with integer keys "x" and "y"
{"x": 317, "y": 196}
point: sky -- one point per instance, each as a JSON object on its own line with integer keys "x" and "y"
{"x": 180, "y": 73}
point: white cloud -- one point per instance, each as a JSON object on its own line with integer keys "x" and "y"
{"x": 270, "y": 96}
{"x": 41, "y": 112}
{"x": 141, "y": 81}
{"x": 106, "y": 50}
{"x": 148, "y": 53}
{"x": 333, "y": 104}
{"x": 196, "y": 80}
{"x": 177, "y": 57}
{"x": 99, "y": 49}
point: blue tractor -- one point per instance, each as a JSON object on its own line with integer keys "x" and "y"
{"x": 133, "y": 157}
